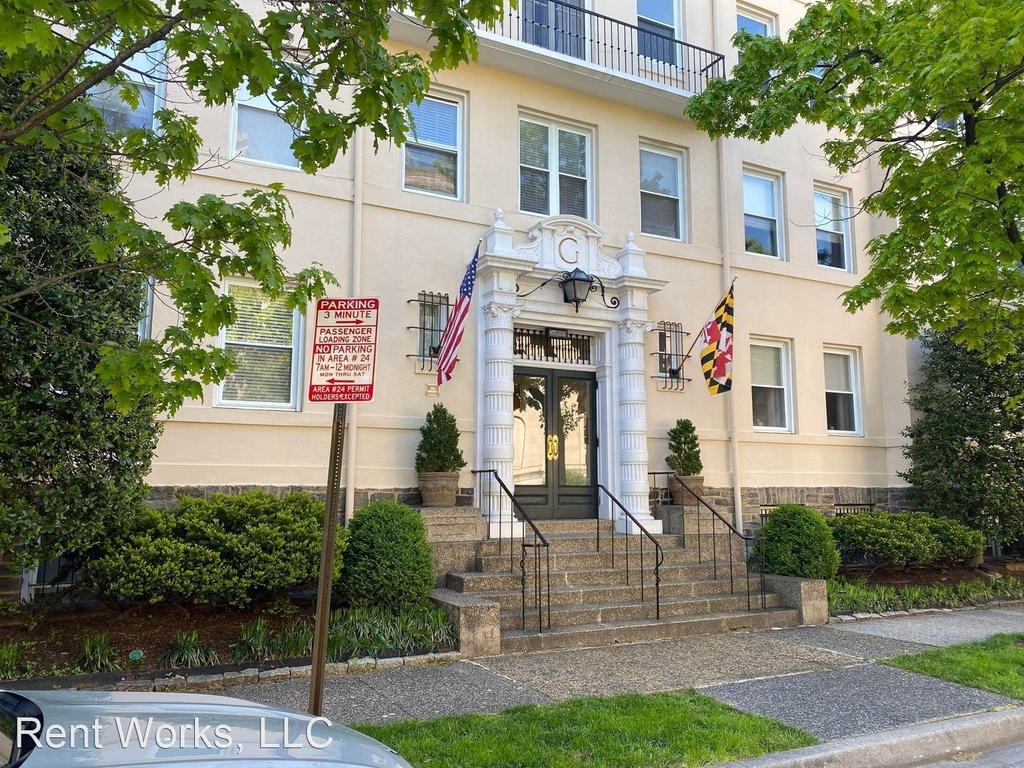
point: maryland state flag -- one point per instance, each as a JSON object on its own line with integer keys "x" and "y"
{"x": 716, "y": 346}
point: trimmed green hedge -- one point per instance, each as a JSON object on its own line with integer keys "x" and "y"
{"x": 239, "y": 550}
{"x": 796, "y": 541}
{"x": 389, "y": 562}
{"x": 882, "y": 538}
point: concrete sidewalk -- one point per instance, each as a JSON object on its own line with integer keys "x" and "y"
{"x": 821, "y": 679}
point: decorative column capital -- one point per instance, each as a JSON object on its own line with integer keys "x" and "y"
{"x": 632, "y": 331}
{"x": 497, "y": 315}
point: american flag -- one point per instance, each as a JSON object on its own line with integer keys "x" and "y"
{"x": 449, "y": 349}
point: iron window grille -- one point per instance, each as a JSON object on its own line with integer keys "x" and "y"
{"x": 671, "y": 356}
{"x": 552, "y": 345}
{"x": 433, "y": 310}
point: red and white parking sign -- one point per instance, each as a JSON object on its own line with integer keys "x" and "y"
{"x": 344, "y": 351}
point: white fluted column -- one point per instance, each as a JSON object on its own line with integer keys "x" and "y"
{"x": 633, "y": 454}
{"x": 498, "y": 419}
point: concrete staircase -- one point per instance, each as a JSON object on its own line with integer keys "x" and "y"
{"x": 594, "y": 602}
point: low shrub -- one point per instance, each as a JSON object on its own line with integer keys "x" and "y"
{"x": 12, "y": 659}
{"x": 293, "y": 641}
{"x": 359, "y": 632}
{"x": 255, "y": 643}
{"x": 796, "y": 541}
{"x": 857, "y": 596}
{"x": 240, "y": 550}
{"x": 98, "y": 655}
{"x": 882, "y": 538}
{"x": 388, "y": 561}
{"x": 186, "y": 650}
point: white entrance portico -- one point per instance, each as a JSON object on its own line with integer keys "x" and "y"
{"x": 505, "y": 273}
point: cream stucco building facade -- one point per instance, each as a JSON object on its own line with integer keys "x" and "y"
{"x": 558, "y": 150}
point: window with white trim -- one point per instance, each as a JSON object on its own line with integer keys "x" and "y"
{"x": 771, "y": 389}
{"x": 658, "y": 28}
{"x": 433, "y": 151}
{"x": 831, "y": 225}
{"x": 842, "y": 398}
{"x": 265, "y": 340}
{"x": 554, "y": 169}
{"x": 261, "y": 134}
{"x": 755, "y": 22}
{"x": 146, "y": 309}
{"x": 661, "y": 193}
{"x": 132, "y": 104}
{"x": 762, "y": 206}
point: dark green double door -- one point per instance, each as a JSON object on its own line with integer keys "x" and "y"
{"x": 555, "y": 466}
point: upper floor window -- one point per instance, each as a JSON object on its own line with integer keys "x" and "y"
{"x": 762, "y": 202}
{"x": 754, "y": 21}
{"x": 771, "y": 390}
{"x": 261, "y": 134}
{"x": 433, "y": 151}
{"x": 656, "y": 20}
{"x": 554, "y": 169}
{"x": 132, "y": 104}
{"x": 661, "y": 199}
{"x": 265, "y": 339}
{"x": 831, "y": 220}
{"x": 842, "y": 401}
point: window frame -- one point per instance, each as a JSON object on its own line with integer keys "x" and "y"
{"x": 295, "y": 379}
{"x": 778, "y": 199}
{"x": 682, "y": 201}
{"x": 154, "y": 78}
{"x": 786, "y": 367}
{"x": 853, "y": 357}
{"x": 770, "y": 20}
{"x": 554, "y": 126}
{"x": 676, "y": 33}
{"x": 460, "y": 142}
{"x": 844, "y": 227}
{"x": 234, "y": 152}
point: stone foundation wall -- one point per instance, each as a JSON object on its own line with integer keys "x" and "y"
{"x": 824, "y": 499}
{"x": 162, "y": 496}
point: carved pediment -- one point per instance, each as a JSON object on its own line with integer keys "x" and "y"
{"x": 563, "y": 243}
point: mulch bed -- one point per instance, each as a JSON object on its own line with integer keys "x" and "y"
{"x": 58, "y": 637}
{"x": 912, "y": 576}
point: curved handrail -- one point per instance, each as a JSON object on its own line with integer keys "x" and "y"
{"x": 539, "y": 541}
{"x": 732, "y": 529}
{"x": 658, "y": 561}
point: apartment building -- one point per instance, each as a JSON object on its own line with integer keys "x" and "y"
{"x": 564, "y": 147}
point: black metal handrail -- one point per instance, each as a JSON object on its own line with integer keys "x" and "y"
{"x": 538, "y": 543}
{"x": 569, "y": 30}
{"x": 748, "y": 541}
{"x": 658, "y": 551}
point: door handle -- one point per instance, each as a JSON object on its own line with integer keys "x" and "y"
{"x": 552, "y": 447}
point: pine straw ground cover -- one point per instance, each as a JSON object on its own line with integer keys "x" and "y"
{"x": 626, "y": 731}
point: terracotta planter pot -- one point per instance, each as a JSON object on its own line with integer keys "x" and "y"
{"x": 439, "y": 489}
{"x": 679, "y": 495}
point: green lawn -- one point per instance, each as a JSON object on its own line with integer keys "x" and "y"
{"x": 995, "y": 665}
{"x": 663, "y": 729}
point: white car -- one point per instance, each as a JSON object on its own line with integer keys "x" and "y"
{"x": 57, "y": 729}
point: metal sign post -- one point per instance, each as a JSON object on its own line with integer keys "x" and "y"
{"x": 342, "y": 370}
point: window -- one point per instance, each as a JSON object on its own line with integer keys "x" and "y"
{"x": 661, "y": 184}
{"x": 761, "y": 206}
{"x": 831, "y": 218}
{"x": 265, "y": 340}
{"x": 432, "y": 152}
{"x": 554, "y": 167}
{"x": 656, "y": 20}
{"x": 770, "y": 388}
{"x": 146, "y": 75}
{"x": 842, "y": 407}
{"x": 146, "y": 309}
{"x": 260, "y": 133}
{"x": 433, "y": 310}
{"x": 755, "y": 22}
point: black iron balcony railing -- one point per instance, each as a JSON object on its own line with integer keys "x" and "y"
{"x": 642, "y": 51}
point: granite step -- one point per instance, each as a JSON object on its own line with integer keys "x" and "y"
{"x": 476, "y": 582}
{"x": 613, "y": 632}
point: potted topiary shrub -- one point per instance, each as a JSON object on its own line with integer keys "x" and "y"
{"x": 439, "y": 459}
{"x": 684, "y": 459}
